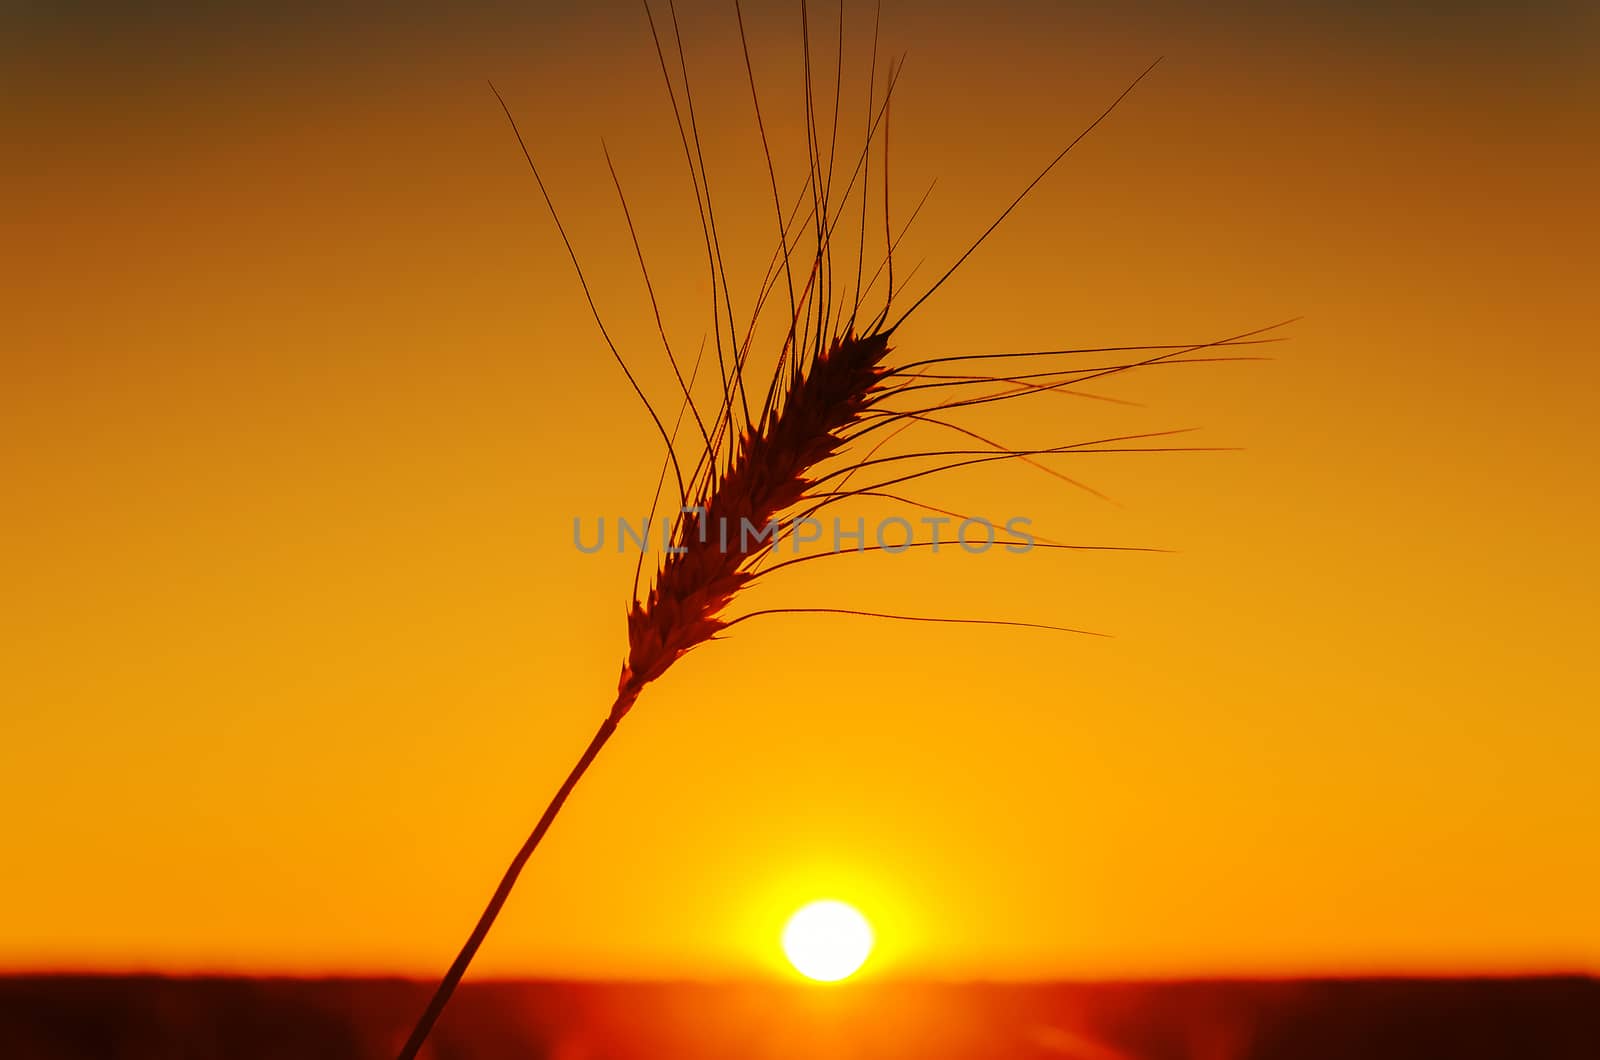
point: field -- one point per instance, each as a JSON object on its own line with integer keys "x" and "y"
{"x": 66, "y": 1018}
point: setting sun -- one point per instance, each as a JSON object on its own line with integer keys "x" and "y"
{"x": 827, "y": 941}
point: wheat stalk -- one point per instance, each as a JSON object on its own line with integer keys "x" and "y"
{"x": 796, "y": 452}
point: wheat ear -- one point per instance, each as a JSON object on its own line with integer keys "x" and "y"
{"x": 798, "y": 449}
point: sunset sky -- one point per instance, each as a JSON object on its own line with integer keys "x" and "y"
{"x": 299, "y": 399}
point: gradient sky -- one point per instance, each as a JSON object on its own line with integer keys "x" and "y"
{"x": 299, "y": 399}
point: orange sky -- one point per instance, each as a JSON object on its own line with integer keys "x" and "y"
{"x": 300, "y": 399}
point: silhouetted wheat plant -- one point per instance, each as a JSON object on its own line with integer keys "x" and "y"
{"x": 785, "y": 442}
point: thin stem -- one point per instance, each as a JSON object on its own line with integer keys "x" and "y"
{"x": 447, "y": 985}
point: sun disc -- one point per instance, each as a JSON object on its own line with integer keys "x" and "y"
{"x": 827, "y": 940}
